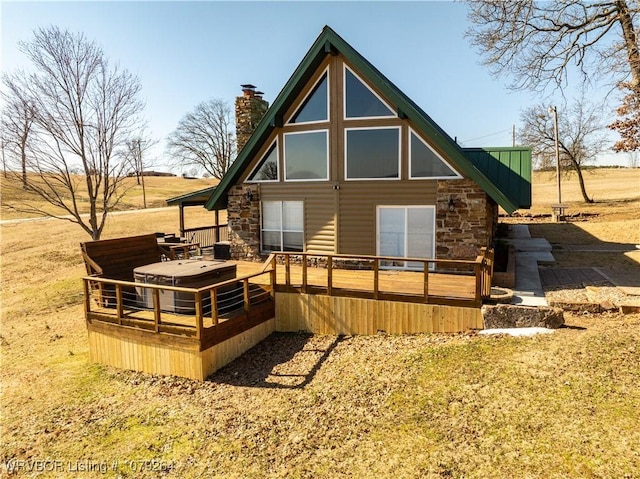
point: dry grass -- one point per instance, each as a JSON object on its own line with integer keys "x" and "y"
{"x": 157, "y": 190}
{"x": 560, "y": 405}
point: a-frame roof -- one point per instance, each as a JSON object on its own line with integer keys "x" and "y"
{"x": 330, "y": 43}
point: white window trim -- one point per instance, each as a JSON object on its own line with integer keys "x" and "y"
{"x": 346, "y": 159}
{"x": 284, "y": 149}
{"x": 281, "y": 230}
{"x": 257, "y": 167}
{"x": 411, "y": 177}
{"x": 289, "y": 121}
{"x": 406, "y": 219}
{"x": 344, "y": 98}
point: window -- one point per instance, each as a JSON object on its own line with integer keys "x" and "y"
{"x": 426, "y": 163}
{"x": 315, "y": 107}
{"x": 267, "y": 168}
{"x": 360, "y": 101}
{"x": 282, "y": 226}
{"x": 372, "y": 153}
{"x": 306, "y": 155}
{"x": 406, "y": 231}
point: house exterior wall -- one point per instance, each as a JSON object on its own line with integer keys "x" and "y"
{"x": 462, "y": 232}
{"x": 340, "y": 215}
{"x": 357, "y": 209}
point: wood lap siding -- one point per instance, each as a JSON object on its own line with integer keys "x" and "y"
{"x": 319, "y": 210}
{"x": 357, "y": 206}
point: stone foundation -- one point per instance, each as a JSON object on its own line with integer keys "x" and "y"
{"x": 462, "y": 232}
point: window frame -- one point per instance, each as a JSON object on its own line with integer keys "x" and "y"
{"x": 289, "y": 122}
{"x": 385, "y": 127}
{"x": 274, "y": 144}
{"x": 284, "y": 154}
{"x": 457, "y": 175}
{"x": 344, "y": 98}
{"x": 281, "y": 230}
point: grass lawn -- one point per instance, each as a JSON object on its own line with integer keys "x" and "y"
{"x": 554, "y": 406}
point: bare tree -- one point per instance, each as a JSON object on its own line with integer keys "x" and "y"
{"x": 538, "y": 43}
{"x": 85, "y": 111}
{"x": 204, "y": 139}
{"x": 135, "y": 151}
{"x": 18, "y": 116}
{"x": 580, "y": 136}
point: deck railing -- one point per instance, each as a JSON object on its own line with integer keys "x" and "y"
{"x": 473, "y": 276}
{"x": 206, "y": 236}
{"x": 190, "y": 312}
{"x": 217, "y": 312}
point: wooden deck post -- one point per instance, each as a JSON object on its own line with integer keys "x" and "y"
{"x": 214, "y": 306}
{"x": 478, "y": 273}
{"x": 119, "y": 305}
{"x": 376, "y": 278}
{"x": 87, "y": 297}
{"x": 199, "y": 314}
{"x": 272, "y": 276}
{"x": 247, "y": 299}
{"x": 156, "y": 309}
{"x": 287, "y": 271}
{"x": 304, "y": 273}
{"x": 425, "y": 267}
{"x": 329, "y": 274}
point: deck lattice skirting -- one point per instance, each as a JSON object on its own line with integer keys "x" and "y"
{"x": 231, "y": 317}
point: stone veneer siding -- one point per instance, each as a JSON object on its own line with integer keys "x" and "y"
{"x": 461, "y": 233}
{"x": 244, "y": 222}
{"x": 250, "y": 109}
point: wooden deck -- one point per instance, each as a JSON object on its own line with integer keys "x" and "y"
{"x": 443, "y": 288}
{"x": 136, "y": 325}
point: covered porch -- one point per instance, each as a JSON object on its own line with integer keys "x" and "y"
{"x": 204, "y": 236}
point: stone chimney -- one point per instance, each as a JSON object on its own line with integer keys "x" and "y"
{"x": 250, "y": 108}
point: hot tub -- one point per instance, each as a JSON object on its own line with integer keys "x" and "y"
{"x": 181, "y": 273}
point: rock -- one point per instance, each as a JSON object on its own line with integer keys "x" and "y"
{"x": 513, "y": 316}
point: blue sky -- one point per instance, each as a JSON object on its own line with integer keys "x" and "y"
{"x": 188, "y": 52}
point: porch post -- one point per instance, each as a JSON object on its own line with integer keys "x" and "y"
{"x": 181, "y": 220}
{"x": 217, "y": 229}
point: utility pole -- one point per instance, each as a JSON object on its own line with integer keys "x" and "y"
{"x": 513, "y": 135}
{"x": 560, "y": 207}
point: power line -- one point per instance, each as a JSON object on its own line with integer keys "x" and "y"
{"x": 486, "y": 136}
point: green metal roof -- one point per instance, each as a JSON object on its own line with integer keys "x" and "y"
{"x": 507, "y": 168}
{"x": 196, "y": 198}
{"x": 330, "y": 43}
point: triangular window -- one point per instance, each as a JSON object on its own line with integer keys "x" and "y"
{"x": 316, "y": 106}
{"x": 426, "y": 163}
{"x": 267, "y": 169}
{"x": 360, "y": 101}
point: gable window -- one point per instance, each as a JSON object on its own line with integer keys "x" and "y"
{"x": 424, "y": 162}
{"x": 306, "y": 155}
{"x": 362, "y": 102}
{"x": 372, "y": 153}
{"x": 282, "y": 226}
{"x": 315, "y": 107}
{"x": 267, "y": 168}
